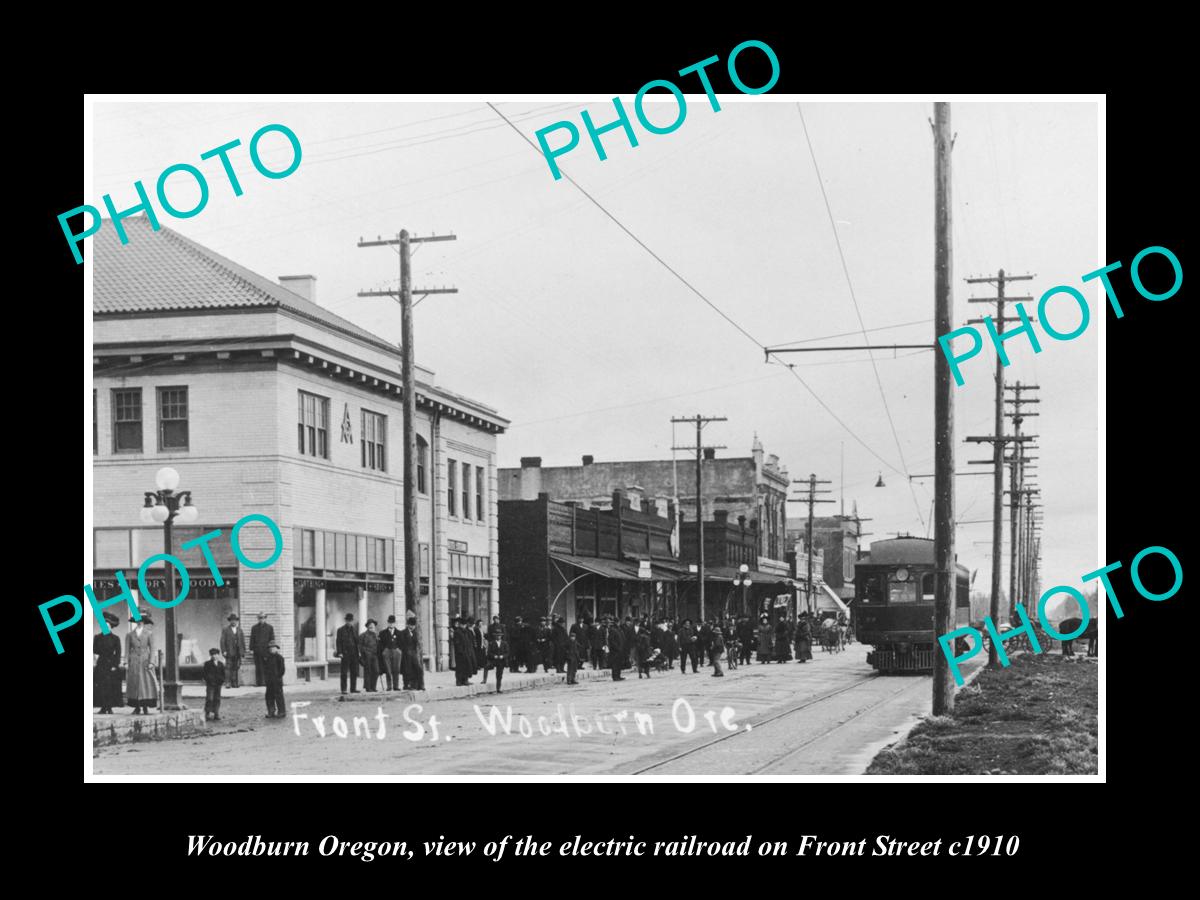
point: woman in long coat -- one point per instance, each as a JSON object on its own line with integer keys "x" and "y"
{"x": 141, "y": 688}
{"x": 107, "y": 680}
{"x": 803, "y": 638}
{"x": 765, "y": 640}
{"x": 783, "y": 646}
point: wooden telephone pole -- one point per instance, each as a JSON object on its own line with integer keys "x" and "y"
{"x": 943, "y": 409}
{"x": 1018, "y": 461}
{"x": 403, "y": 240}
{"x": 700, "y": 421}
{"x": 1000, "y": 279}
{"x": 809, "y": 496}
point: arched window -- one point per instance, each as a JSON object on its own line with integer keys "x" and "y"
{"x": 422, "y": 460}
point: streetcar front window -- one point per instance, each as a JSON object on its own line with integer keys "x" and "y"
{"x": 902, "y": 591}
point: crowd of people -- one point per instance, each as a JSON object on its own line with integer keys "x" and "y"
{"x": 619, "y": 645}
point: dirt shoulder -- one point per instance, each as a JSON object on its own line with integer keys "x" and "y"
{"x": 1036, "y": 717}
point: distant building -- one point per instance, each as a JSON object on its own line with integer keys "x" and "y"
{"x": 751, "y": 491}
{"x": 836, "y": 540}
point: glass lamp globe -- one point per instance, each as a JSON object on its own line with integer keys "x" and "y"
{"x": 167, "y": 479}
{"x": 189, "y": 514}
{"x": 160, "y": 513}
{"x": 743, "y": 568}
{"x": 147, "y": 515}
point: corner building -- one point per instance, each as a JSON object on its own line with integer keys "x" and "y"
{"x": 266, "y": 402}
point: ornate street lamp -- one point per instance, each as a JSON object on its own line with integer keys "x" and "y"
{"x": 164, "y": 506}
{"x": 743, "y": 579}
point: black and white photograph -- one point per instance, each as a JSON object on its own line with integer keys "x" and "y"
{"x": 680, "y": 434}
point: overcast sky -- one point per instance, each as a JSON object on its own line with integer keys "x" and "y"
{"x": 589, "y": 345}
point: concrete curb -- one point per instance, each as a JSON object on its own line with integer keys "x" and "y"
{"x": 897, "y": 741}
{"x": 457, "y": 692}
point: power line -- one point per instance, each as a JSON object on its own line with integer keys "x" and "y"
{"x": 827, "y": 337}
{"x": 854, "y": 299}
{"x": 758, "y": 344}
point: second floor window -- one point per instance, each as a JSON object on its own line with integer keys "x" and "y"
{"x": 374, "y": 429}
{"x": 451, "y": 487}
{"x": 172, "y": 418}
{"x": 479, "y": 493}
{"x": 314, "y": 425}
{"x": 466, "y": 490}
{"x": 422, "y": 458}
{"x": 127, "y": 420}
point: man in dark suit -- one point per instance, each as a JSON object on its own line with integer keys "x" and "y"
{"x": 628, "y": 636}
{"x": 497, "y": 655}
{"x": 464, "y": 652}
{"x": 572, "y": 657}
{"x": 559, "y": 639}
{"x": 347, "y": 652}
{"x": 260, "y": 636}
{"x": 273, "y": 670}
{"x": 368, "y": 655}
{"x": 545, "y": 645}
{"x": 412, "y": 666}
{"x": 599, "y": 636}
{"x": 233, "y": 648}
{"x": 389, "y": 652}
{"x": 516, "y": 645}
{"x": 615, "y": 648}
{"x": 687, "y": 647}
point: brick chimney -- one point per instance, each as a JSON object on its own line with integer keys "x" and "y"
{"x": 531, "y": 477}
{"x": 721, "y": 516}
{"x": 710, "y": 453}
{"x": 304, "y": 285}
{"x": 588, "y": 459}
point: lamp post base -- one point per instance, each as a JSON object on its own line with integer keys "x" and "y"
{"x": 173, "y": 697}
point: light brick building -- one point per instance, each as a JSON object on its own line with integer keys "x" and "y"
{"x": 265, "y": 402}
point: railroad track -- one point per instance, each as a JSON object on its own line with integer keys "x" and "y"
{"x": 775, "y": 717}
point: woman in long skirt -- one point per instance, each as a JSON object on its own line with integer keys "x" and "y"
{"x": 765, "y": 640}
{"x": 140, "y": 687}
{"x": 107, "y": 679}
{"x": 803, "y": 638}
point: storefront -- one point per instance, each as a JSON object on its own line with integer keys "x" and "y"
{"x": 198, "y": 619}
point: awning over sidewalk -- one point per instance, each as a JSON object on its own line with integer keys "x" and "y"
{"x": 608, "y": 568}
{"x": 832, "y": 594}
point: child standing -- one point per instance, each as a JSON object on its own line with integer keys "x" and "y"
{"x": 273, "y": 669}
{"x": 214, "y": 677}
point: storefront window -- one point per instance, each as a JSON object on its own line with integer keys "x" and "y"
{"x": 306, "y": 624}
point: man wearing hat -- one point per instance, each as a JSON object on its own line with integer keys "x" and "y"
{"x": 389, "y": 653}
{"x": 273, "y": 669}
{"x": 260, "y": 636}
{"x": 615, "y": 648}
{"x": 347, "y": 652}
{"x": 214, "y": 677}
{"x": 233, "y": 648}
{"x": 412, "y": 662}
{"x": 368, "y": 655}
{"x": 107, "y": 681}
{"x": 141, "y": 688}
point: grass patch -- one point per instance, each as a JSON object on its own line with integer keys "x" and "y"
{"x": 1036, "y": 717}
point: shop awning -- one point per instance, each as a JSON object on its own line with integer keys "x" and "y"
{"x": 833, "y": 595}
{"x": 607, "y": 568}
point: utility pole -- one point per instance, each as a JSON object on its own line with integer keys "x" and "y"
{"x": 810, "y": 497}
{"x": 943, "y": 409}
{"x": 700, "y": 421}
{"x": 1000, "y": 279}
{"x": 403, "y": 240}
{"x": 1016, "y": 462}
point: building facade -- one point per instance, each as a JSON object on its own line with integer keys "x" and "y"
{"x": 266, "y": 402}
{"x": 753, "y": 487}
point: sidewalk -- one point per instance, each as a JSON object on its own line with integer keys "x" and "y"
{"x": 438, "y": 686}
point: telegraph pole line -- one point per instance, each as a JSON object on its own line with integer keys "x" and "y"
{"x": 1000, "y": 279}
{"x": 810, "y": 497}
{"x": 404, "y": 296}
{"x": 700, "y": 421}
{"x": 943, "y": 408}
{"x": 1016, "y": 482}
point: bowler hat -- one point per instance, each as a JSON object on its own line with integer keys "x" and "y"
{"x": 349, "y": 617}
{"x": 274, "y": 644}
{"x": 371, "y": 622}
{"x": 214, "y": 652}
{"x": 391, "y": 619}
{"x": 232, "y": 617}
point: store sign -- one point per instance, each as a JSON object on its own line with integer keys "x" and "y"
{"x": 380, "y": 587}
{"x": 309, "y": 582}
{"x": 644, "y": 569}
